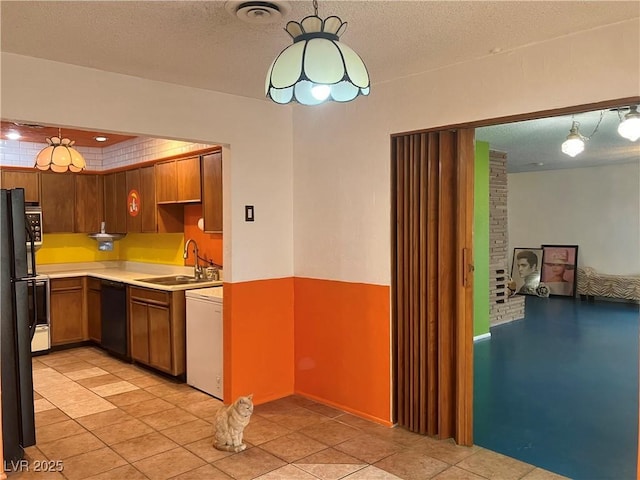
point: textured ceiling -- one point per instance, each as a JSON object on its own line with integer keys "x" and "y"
{"x": 199, "y": 44}
{"x": 530, "y": 143}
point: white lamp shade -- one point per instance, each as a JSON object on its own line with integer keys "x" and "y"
{"x": 629, "y": 128}
{"x": 316, "y": 58}
{"x": 572, "y": 146}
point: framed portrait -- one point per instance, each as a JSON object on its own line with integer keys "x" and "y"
{"x": 559, "y": 263}
{"x": 525, "y": 269}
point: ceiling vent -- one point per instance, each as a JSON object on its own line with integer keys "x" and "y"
{"x": 258, "y": 12}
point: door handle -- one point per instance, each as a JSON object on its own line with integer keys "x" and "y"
{"x": 467, "y": 267}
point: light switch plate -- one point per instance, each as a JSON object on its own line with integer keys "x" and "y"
{"x": 248, "y": 213}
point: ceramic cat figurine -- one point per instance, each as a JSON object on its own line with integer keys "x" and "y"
{"x": 230, "y": 422}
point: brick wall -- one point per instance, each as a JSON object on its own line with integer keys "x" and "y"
{"x": 502, "y": 308}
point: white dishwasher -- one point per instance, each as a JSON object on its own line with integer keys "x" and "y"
{"x": 204, "y": 340}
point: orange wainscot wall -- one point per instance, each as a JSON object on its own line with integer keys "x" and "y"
{"x": 258, "y": 339}
{"x": 342, "y": 346}
{"x": 209, "y": 244}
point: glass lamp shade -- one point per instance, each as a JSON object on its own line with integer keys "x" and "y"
{"x": 60, "y": 156}
{"x": 316, "y": 67}
{"x": 629, "y": 128}
{"x": 573, "y": 145}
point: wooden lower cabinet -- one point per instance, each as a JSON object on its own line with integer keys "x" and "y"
{"x": 157, "y": 329}
{"x": 139, "y": 322}
{"x": 160, "y": 337}
{"x": 67, "y": 311}
{"x": 94, "y": 315}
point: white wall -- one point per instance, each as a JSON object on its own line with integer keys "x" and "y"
{"x": 596, "y": 208}
{"x": 257, "y": 152}
{"x": 342, "y": 152}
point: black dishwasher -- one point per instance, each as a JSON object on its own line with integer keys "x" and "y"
{"x": 113, "y": 310}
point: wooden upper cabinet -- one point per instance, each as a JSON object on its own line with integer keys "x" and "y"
{"x": 109, "y": 182}
{"x": 121, "y": 202}
{"x": 166, "y": 217}
{"x": 58, "y": 202}
{"x": 166, "y": 189}
{"x": 115, "y": 202}
{"x": 188, "y": 179}
{"x": 134, "y": 213}
{"x": 30, "y": 181}
{"x": 178, "y": 181}
{"x": 89, "y": 205}
{"x": 212, "y": 192}
{"x": 148, "y": 199}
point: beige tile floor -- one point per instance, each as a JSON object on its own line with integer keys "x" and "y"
{"x": 105, "y": 419}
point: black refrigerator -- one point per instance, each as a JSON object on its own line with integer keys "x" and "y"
{"x": 16, "y": 328}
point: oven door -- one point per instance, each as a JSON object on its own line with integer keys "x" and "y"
{"x": 39, "y": 310}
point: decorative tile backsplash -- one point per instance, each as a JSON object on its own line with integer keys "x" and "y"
{"x": 15, "y": 153}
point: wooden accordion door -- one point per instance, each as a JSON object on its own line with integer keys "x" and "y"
{"x": 432, "y": 282}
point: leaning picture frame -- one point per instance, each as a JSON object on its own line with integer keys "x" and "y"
{"x": 525, "y": 269}
{"x": 559, "y": 269}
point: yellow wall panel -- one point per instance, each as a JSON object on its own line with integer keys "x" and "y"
{"x": 72, "y": 247}
{"x": 164, "y": 248}
{"x": 143, "y": 247}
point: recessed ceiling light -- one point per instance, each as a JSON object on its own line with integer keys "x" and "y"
{"x": 101, "y": 138}
{"x": 13, "y": 136}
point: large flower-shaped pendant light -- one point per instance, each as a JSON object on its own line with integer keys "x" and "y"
{"x": 60, "y": 156}
{"x": 317, "y": 67}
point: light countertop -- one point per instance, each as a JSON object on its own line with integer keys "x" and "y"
{"x": 205, "y": 293}
{"x": 126, "y": 272}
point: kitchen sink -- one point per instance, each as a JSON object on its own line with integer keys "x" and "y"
{"x": 173, "y": 280}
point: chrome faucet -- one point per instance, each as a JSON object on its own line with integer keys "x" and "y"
{"x": 197, "y": 269}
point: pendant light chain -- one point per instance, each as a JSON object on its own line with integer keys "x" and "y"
{"x": 595, "y": 129}
{"x": 315, "y": 7}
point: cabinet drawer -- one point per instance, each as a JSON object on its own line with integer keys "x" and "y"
{"x": 149, "y": 296}
{"x": 66, "y": 283}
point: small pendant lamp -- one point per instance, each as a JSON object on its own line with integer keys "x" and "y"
{"x": 629, "y": 128}
{"x": 317, "y": 67}
{"x": 60, "y": 156}
{"x": 574, "y": 144}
